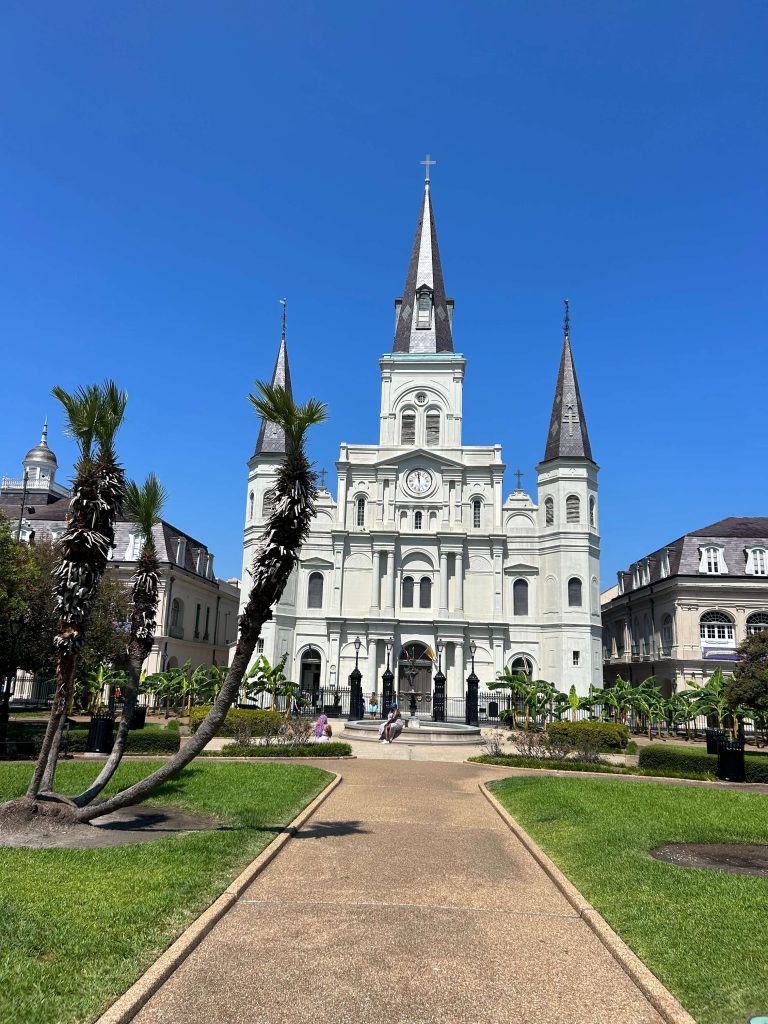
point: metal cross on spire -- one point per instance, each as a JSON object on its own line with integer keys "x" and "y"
{"x": 284, "y": 304}
{"x": 427, "y": 164}
{"x": 567, "y": 320}
{"x": 519, "y": 474}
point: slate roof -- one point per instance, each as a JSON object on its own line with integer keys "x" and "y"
{"x": 271, "y": 438}
{"x": 733, "y": 535}
{"x": 567, "y": 435}
{"x": 424, "y": 270}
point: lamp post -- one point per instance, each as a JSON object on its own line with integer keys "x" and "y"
{"x": 388, "y": 683}
{"x": 438, "y": 701}
{"x": 14, "y": 629}
{"x": 356, "y": 707}
{"x": 470, "y": 716}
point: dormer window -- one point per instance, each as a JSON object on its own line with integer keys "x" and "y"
{"x": 424, "y": 309}
{"x": 713, "y": 561}
{"x": 757, "y": 562}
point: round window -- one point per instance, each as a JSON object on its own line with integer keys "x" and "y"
{"x": 421, "y": 397}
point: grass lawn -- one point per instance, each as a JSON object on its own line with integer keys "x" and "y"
{"x": 704, "y": 933}
{"x": 77, "y": 927}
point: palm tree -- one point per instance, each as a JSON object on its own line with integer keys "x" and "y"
{"x": 276, "y": 556}
{"x": 143, "y": 507}
{"x": 94, "y": 415}
{"x": 517, "y": 683}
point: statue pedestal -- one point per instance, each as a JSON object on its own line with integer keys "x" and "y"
{"x": 414, "y": 723}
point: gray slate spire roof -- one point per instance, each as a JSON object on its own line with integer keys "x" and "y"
{"x": 424, "y": 272}
{"x": 271, "y": 437}
{"x": 568, "y": 435}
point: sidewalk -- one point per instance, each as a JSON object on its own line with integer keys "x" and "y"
{"x": 405, "y": 900}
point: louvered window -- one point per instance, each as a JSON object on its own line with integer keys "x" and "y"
{"x": 433, "y": 429}
{"x": 549, "y": 512}
{"x": 572, "y": 509}
{"x": 424, "y": 310}
{"x": 268, "y": 503}
{"x": 408, "y": 428}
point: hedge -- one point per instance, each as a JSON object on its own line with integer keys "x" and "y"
{"x": 260, "y": 721}
{"x": 690, "y": 761}
{"x": 332, "y": 749}
{"x": 152, "y": 739}
{"x": 607, "y": 735}
{"x": 549, "y": 764}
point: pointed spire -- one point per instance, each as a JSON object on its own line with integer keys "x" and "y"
{"x": 44, "y": 435}
{"x": 271, "y": 437}
{"x": 423, "y": 312}
{"x": 568, "y": 435}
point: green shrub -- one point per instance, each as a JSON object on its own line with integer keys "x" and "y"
{"x": 521, "y": 761}
{"x": 332, "y": 749}
{"x": 599, "y": 735}
{"x": 152, "y": 739}
{"x": 688, "y": 762}
{"x": 260, "y": 722}
{"x": 631, "y": 747}
{"x": 173, "y": 725}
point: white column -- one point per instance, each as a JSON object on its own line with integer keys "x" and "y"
{"x": 459, "y": 600}
{"x": 375, "y": 580}
{"x": 443, "y": 582}
{"x": 390, "y": 606}
{"x": 370, "y": 680}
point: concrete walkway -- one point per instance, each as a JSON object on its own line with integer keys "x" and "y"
{"x": 404, "y": 900}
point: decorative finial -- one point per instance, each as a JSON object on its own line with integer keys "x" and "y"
{"x": 284, "y": 304}
{"x": 567, "y": 320}
{"x": 427, "y": 164}
{"x": 519, "y": 474}
{"x": 44, "y": 436}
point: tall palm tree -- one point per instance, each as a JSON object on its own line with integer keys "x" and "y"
{"x": 143, "y": 507}
{"x": 94, "y": 415}
{"x": 275, "y": 558}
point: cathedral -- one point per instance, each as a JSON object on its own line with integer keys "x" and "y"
{"x": 419, "y": 559}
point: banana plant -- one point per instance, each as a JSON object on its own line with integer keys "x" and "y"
{"x": 647, "y": 702}
{"x": 517, "y": 683}
{"x": 711, "y": 698}
{"x": 619, "y": 698}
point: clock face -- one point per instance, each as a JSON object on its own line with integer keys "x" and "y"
{"x": 419, "y": 481}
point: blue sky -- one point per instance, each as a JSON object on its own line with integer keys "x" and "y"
{"x": 169, "y": 170}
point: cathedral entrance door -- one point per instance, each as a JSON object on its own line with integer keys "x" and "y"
{"x": 415, "y": 679}
{"x": 310, "y": 676}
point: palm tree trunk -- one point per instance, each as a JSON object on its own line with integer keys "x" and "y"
{"x": 49, "y": 751}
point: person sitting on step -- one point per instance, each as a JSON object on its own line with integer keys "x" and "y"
{"x": 393, "y": 726}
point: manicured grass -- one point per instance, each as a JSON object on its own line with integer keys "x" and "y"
{"x": 332, "y": 749}
{"x": 77, "y": 927}
{"x": 704, "y": 933}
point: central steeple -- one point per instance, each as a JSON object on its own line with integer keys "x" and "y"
{"x": 423, "y": 313}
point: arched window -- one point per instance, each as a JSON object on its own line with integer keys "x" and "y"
{"x": 716, "y": 629}
{"x": 574, "y": 592}
{"x": 757, "y": 562}
{"x": 477, "y": 513}
{"x": 572, "y": 509}
{"x": 408, "y": 428}
{"x": 315, "y": 590}
{"x": 418, "y": 518}
{"x": 425, "y": 592}
{"x": 667, "y": 635}
{"x": 756, "y": 623}
{"x": 522, "y": 665}
{"x": 268, "y": 503}
{"x": 549, "y": 512}
{"x": 177, "y": 613}
{"x": 250, "y": 506}
{"x": 619, "y": 631}
{"x": 591, "y": 511}
{"x": 646, "y": 635}
{"x": 360, "y": 511}
{"x": 407, "y": 591}
{"x": 432, "y": 429}
{"x": 520, "y": 597}
{"x": 713, "y": 561}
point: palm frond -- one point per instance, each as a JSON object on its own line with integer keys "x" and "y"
{"x": 274, "y": 404}
{"x": 112, "y": 403}
{"x": 144, "y": 503}
{"x": 82, "y": 408}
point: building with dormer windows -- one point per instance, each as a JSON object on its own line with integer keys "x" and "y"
{"x": 419, "y": 547}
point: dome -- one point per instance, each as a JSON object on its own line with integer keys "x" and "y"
{"x": 41, "y": 452}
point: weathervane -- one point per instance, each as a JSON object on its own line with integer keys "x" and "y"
{"x": 284, "y": 304}
{"x": 427, "y": 164}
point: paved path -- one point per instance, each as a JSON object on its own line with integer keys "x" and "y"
{"x": 404, "y": 900}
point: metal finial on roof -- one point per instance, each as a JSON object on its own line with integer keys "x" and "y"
{"x": 427, "y": 164}
{"x": 567, "y": 320}
{"x": 284, "y": 304}
{"x": 44, "y": 435}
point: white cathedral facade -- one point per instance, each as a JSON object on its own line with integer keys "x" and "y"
{"x": 419, "y": 552}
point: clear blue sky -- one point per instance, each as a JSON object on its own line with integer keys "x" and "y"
{"x": 169, "y": 170}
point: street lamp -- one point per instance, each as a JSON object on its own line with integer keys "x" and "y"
{"x": 356, "y": 705}
{"x": 438, "y": 700}
{"x": 470, "y": 716}
{"x": 387, "y": 682}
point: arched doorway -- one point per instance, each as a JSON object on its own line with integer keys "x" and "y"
{"x": 309, "y": 680}
{"x": 414, "y": 678}
{"x": 522, "y": 664}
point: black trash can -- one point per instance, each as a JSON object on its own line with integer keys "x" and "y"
{"x": 332, "y": 710}
{"x": 714, "y": 738}
{"x": 139, "y": 717}
{"x": 101, "y": 733}
{"x": 493, "y": 709}
{"x": 730, "y": 761}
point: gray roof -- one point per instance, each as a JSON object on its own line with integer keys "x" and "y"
{"x": 568, "y": 435}
{"x": 734, "y": 535}
{"x": 271, "y": 437}
{"x": 424, "y": 272}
